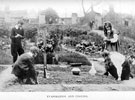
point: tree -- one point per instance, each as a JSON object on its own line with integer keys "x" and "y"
{"x": 92, "y": 4}
{"x": 51, "y": 16}
{"x": 89, "y": 14}
{"x": 113, "y": 17}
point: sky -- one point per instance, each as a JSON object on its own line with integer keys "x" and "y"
{"x": 65, "y": 8}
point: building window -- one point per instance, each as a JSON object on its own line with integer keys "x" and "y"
{"x": 126, "y": 23}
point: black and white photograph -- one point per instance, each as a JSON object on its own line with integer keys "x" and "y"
{"x": 67, "y": 46}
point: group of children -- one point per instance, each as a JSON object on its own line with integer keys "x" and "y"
{"x": 112, "y": 43}
{"x": 111, "y": 68}
{"x": 23, "y": 67}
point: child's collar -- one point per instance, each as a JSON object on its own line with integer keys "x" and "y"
{"x": 16, "y": 26}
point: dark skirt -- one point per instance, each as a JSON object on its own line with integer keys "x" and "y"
{"x": 112, "y": 46}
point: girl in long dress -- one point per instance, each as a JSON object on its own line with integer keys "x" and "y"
{"x": 111, "y": 37}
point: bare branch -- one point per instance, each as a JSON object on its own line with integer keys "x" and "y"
{"x": 92, "y": 4}
{"x": 83, "y": 7}
{"x": 88, "y": 10}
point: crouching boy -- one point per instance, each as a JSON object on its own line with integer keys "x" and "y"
{"x": 126, "y": 68}
{"x": 109, "y": 66}
{"x": 23, "y": 68}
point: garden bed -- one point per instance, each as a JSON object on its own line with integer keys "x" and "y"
{"x": 58, "y": 75}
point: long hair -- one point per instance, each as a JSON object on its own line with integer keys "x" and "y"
{"x": 107, "y": 24}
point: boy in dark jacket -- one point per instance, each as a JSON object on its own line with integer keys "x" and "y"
{"x": 23, "y": 68}
{"x": 17, "y": 34}
{"x": 110, "y": 67}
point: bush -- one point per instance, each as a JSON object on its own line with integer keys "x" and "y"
{"x": 58, "y": 32}
{"x": 50, "y": 58}
{"x": 127, "y": 46}
{"x": 100, "y": 28}
{"x": 39, "y": 59}
{"x": 71, "y": 42}
{"x": 92, "y": 37}
{"x": 72, "y": 30}
{"x": 71, "y": 57}
{"x": 30, "y": 31}
{"x": 5, "y": 58}
{"x": 130, "y": 35}
{"x": 4, "y": 32}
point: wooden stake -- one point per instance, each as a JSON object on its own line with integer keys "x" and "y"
{"x": 45, "y": 58}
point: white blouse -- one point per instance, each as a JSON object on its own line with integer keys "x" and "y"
{"x": 114, "y": 39}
